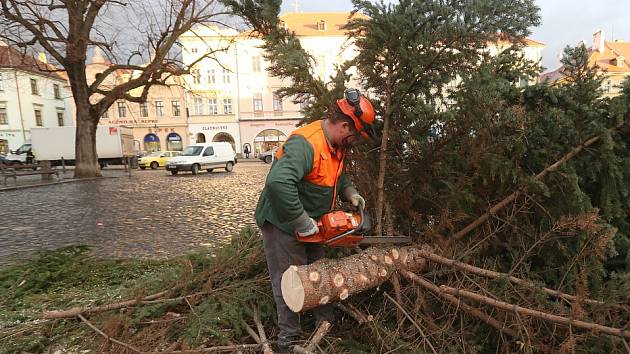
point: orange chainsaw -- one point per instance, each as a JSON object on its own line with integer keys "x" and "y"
{"x": 343, "y": 229}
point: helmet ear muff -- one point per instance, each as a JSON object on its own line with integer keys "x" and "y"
{"x": 360, "y": 109}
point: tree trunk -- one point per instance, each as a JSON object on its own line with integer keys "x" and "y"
{"x": 85, "y": 148}
{"x": 329, "y": 280}
{"x": 86, "y": 160}
{"x": 382, "y": 164}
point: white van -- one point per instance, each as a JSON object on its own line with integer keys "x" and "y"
{"x": 207, "y": 156}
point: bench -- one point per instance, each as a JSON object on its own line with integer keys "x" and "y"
{"x": 16, "y": 170}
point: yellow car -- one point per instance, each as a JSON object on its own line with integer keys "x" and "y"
{"x": 156, "y": 159}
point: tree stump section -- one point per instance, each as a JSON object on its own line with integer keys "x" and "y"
{"x": 331, "y": 280}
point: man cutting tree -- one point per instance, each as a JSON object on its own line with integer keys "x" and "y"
{"x": 304, "y": 181}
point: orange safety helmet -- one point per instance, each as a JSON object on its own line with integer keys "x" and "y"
{"x": 360, "y": 109}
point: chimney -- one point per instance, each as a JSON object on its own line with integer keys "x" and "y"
{"x": 598, "y": 41}
{"x": 41, "y": 56}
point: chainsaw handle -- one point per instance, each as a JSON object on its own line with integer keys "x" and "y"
{"x": 361, "y": 213}
{"x": 350, "y": 232}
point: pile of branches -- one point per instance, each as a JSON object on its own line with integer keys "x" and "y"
{"x": 516, "y": 198}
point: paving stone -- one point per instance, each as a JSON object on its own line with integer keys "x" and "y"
{"x": 149, "y": 215}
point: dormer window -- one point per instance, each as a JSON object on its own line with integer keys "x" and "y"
{"x": 321, "y": 25}
{"x": 620, "y": 61}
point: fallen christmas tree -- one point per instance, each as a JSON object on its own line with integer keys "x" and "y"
{"x": 521, "y": 193}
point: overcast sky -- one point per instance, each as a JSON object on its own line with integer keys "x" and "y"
{"x": 564, "y": 22}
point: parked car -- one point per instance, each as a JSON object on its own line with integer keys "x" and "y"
{"x": 206, "y": 156}
{"x": 156, "y": 159}
{"x": 3, "y": 160}
{"x": 268, "y": 156}
{"x": 24, "y": 154}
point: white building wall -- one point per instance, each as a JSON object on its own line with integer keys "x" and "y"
{"x": 245, "y": 58}
{"x": 21, "y": 103}
{"x": 248, "y": 80}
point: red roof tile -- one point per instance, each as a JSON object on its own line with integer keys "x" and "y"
{"x": 12, "y": 58}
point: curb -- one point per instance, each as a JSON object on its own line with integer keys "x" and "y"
{"x": 3, "y": 189}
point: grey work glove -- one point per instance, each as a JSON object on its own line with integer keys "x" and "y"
{"x": 350, "y": 194}
{"x": 306, "y": 226}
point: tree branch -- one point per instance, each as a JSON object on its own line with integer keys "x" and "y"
{"x": 489, "y": 320}
{"x": 415, "y": 324}
{"x": 512, "y": 197}
{"x": 619, "y": 332}
{"x": 19, "y": 18}
{"x": 514, "y": 280}
{"x": 113, "y": 340}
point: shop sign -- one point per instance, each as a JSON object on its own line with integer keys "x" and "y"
{"x": 215, "y": 127}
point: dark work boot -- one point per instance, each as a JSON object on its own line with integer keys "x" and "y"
{"x": 285, "y": 344}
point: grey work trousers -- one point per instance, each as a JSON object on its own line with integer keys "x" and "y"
{"x": 283, "y": 250}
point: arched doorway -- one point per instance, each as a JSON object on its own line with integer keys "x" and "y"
{"x": 224, "y": 137}
{"x": 174, "y": 142}
{"x": 247, "y": 149}
{"x": 268, "y": 140}
{"x": 151, "y": 143}
{"x": 201, "y": 138}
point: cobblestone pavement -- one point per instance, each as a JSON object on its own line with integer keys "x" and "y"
{"x": 151, "y": 214}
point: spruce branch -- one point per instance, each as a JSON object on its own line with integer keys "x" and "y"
{"x": 619, "y": 332}
{"x": 514, "y": 280}
{"x": 512, "y": 197}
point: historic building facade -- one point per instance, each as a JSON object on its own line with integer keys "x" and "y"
{"x": 159, "y": 124}
{"x": 234, "y": 99}
{"x": 32, "y": 94}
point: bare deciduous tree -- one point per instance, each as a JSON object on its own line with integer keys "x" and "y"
{"x": 141, "y": 37}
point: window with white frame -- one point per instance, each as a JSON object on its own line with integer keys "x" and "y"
{"x": 60, "y": 120}
{"x": 227, "y": 106}
{"x": 193, "y": 50}
{"x": 198, "y": 106}
{"x": 176, "y": 108}
{"x": 57, "y": 91}
{"x": 258, "y": 102}
{"x": 105, "y": 114}
{"x": 39, "y": 121}
{"x": 159, "y": 108}
{"x": 34, "y": 88}
{"x": 1, "y": 82}
{"x": 226, "y": 76}
{"x": 3, "y": 113}
{"x": 196, "y": 76}
{"x": 277, "y": 102}
{"x": 211, "y": 77}
{"x": 122, "y": 110}
{"x": 212, "y": 106}
{"x": 144, "y": 109}
{"x": 256, "y": 64}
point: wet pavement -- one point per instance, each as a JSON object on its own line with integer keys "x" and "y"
{"x": 148, "y": 215}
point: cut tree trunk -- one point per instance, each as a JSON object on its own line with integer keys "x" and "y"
{"x": 330, "y": 280}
